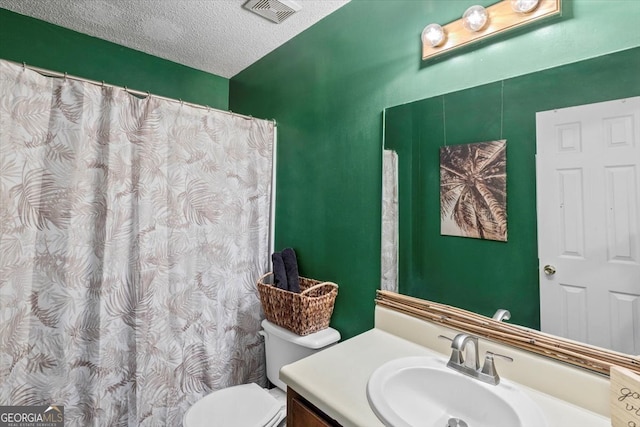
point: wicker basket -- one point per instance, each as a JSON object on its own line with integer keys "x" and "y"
{"x": 303, "y": 313}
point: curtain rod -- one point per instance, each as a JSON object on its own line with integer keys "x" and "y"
{"x": 51, "y": 73}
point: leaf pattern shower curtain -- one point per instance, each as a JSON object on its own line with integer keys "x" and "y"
{"x": 132, "y": 233}
{"x": 390, "y": 219}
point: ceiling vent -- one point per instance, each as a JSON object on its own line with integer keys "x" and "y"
{"x": 274, "y": 10}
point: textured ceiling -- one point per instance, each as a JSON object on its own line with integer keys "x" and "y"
{"x": 217, "y": 36}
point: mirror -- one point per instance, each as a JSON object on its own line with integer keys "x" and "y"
{"x": 473, "y": 274}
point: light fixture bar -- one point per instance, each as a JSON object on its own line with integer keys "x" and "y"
{"x": 501, "y": 18}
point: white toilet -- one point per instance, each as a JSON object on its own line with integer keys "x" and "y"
{"x": 249, "y": 405}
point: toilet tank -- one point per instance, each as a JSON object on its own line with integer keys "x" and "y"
{"x": 283, "y": 347}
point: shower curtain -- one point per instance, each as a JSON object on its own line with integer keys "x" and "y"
{"x": 390, "y": 219}
{"x": 132, "y": 232}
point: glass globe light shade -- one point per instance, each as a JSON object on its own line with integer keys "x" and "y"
{"x": 524, "y": 6}
{"x": 475, "y": 18}
{"x": 433, "y": 34}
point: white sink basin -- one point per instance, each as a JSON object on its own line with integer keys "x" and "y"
{"x": 422, "y": 391}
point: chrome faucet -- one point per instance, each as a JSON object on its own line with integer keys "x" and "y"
{"x": 469, "y": 345}
{"x": 501, "y": 314}
{"x": 464, "y": 359}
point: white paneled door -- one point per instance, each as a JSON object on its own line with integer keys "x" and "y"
{"x": 588, "y": 202}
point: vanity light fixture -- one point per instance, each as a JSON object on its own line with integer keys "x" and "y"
{"x": 479, "y": 23}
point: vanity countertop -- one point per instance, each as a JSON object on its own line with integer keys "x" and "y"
{"x": 335, "y": 381}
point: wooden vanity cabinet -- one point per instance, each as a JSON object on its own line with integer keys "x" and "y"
{"x": 302, "y": 413}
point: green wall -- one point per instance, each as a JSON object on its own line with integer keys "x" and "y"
{"x": 477, "y": 274}
{"x": 327, "y": 89}
{"x": 38, "y": 43}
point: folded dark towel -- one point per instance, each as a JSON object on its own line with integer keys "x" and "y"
{"x": 279, "y": 271}
{"x": 291, "y": 267}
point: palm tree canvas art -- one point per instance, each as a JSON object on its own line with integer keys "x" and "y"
{"x": 473, "y": 190}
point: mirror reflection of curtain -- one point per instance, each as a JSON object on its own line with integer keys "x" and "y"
{"x": 389, "y": 261}
{"x": 132, "y": 234}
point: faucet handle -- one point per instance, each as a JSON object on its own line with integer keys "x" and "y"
{"x": 445, "y": 338}
{"x": 456, "y": 357}
{"x": 500, "y": 356}
{"x": 489, "y": 367}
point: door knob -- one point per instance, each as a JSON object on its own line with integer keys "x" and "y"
{"x": 549, "y": 270}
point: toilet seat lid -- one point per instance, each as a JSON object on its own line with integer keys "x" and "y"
{"x": 242, "y": 406}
